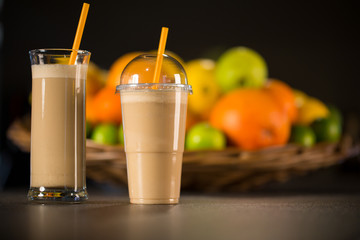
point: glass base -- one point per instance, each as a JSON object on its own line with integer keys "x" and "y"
{"x": 57, "y": 195}
{"x": 154, "y": 201}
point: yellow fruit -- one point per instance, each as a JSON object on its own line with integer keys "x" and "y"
{"x": 96, "y": 78}
{"x": 201, "y": 75}
{"x": 311, "y": 110}
{"x": 300, "y": 97}
{"x": 62, "y": 60}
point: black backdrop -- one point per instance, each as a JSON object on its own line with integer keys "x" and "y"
{"x": 312, "y": 46}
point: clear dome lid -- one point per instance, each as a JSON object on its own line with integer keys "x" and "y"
{"x": 139, "y": 73}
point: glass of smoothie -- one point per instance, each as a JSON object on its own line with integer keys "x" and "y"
{"x": 154, "y": 118}
{"x": 58, "y": 125}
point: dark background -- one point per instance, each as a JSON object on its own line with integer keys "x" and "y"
{"x": 312, "y": 46}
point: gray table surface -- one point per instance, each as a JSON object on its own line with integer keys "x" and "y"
{"x": 198, "y": 216}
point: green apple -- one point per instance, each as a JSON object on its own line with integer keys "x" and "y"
{"x": 121, "y": 135}
{"x": 88, "y": 128}
{"x": 335, "y": 113}
{"x": 240, "y": 67}
{"x": 203, "y": 136}
{"x": 105, "y": 134}
{"x": 303, "y": 135}
{"x": 327, "y": 129}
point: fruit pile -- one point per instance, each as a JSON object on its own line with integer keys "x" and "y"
{"x": 103, "y": 108}
{"x": 234, "y": 104}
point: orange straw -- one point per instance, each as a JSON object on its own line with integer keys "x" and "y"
{"x": 79, "y": 32}
{"x": 161, "y": 50}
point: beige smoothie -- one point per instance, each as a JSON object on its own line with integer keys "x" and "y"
{"x": 154, "y": 129}
{"x": 57, "y": 126}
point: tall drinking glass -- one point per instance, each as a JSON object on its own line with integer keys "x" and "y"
{"x": 58, "y": 125}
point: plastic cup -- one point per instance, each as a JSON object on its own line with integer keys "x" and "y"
{"x": 58, "y": 126}
{"x": 154, "y": 118}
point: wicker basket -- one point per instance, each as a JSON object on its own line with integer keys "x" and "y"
{"x": 227, "y": 170}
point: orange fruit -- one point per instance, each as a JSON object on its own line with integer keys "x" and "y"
{"x": 117, "y": 67}
{"x": 251, "y": 118}
{"x": 284, "y": 95}
{"x": 106, "y": 106}
{"x": 143, "y": 70}
{"x": 191, "y": 120}
{"x": 90, "y": 110}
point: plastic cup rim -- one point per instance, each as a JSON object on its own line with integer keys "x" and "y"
{"x": 185, "y": 87}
